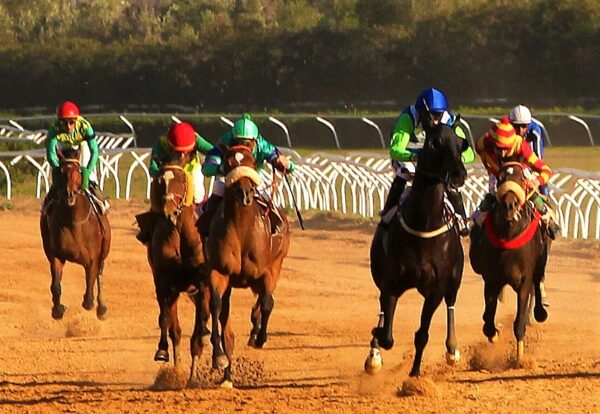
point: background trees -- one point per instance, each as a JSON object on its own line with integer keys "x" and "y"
{"x": 213, "y": 54}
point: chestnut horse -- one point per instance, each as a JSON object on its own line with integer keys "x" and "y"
{"x": 421, "y": 249}
{"x": 242, "y": 253}
{"x": 511, "y": 248}
{"x": 73, "y": 231}
{"x": 177, "y": 262}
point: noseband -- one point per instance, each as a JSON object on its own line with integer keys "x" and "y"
{"x": 175, "y": 198}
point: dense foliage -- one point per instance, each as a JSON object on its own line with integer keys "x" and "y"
{"x": 233, "y": 54}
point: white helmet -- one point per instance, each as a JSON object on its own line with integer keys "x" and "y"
{"x": 520, "y": 115}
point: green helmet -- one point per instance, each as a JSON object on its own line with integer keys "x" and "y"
{"x": 245, "y": 128}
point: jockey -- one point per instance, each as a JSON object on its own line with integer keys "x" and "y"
{"x": 244, "y": 132}
{"x": 531, "y": 130}
{"x": 429, "y": 110}
{"x": 501, "y": 144}
{"x": 181, "y": 138}
{"x": 70, "y": 130}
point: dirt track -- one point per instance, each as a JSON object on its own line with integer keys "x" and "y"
{"x": 326, "y": 305}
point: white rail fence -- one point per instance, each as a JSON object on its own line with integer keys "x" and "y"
{"x": 356, "y": 184}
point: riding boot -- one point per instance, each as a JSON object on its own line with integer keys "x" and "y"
{"x": 276, "y": 220}
{"x": 49, "y": 200}
{"x": 146, "y": 222}
{"x": 552, "y": 228}
{"x": 396, "y": 190}
{"x": 210, "y": 208}
{"x": 102, "y": 202}
{"x": 457, "y": 202}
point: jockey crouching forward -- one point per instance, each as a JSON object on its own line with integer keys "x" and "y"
{"x": 244, "y": 132}
{"x": 429, "y": 111}
{"x": 71, "y": 130}
{"x": 185, "y": 141}
{"x": 501, "y": 144}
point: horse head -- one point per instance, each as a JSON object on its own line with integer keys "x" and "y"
{"x": 240, "y": 173}
{"x": 440, "y": 160}
{"x": 512, "y": 189}
{"x": 171, "y": 186}
{"x": 70, "y": 169}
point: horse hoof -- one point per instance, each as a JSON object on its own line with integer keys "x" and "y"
{"x": 226, "y": 385}
{"x": 383, "y": 341}
{"x": 540, "y": 313}
{"x": 58, "y": 311}
{"x": 453, "y": 358}
{"x": 102, "y": 312}
{"x": 161, "y": 355}
{"x": 373, "y": 363}
{"x": 220, "y": 362}
{"x": 252, "y": 341}
{"x": 88, "y": 305}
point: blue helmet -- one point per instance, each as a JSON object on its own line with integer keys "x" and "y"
{"x": 432, "y": 100}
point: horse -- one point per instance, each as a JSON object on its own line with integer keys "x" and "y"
{"x": 421, "y": 249}
{"x": 177, "y": 261}
{"x": 242, "y": 253}
{"x": 511, "y": 249}
{"x": 73, "y": 230}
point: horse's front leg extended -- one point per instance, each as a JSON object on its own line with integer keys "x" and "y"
{"x": 175, "y": 331}
{"x": 491, "y": 292}
{"x": 521, "y": 320}
{"x": 422, "y": 335}
{"x": 91, "y": 273}
{"x": 56, "y": 266}
{"x": 452, "y": 352}
{"x": 164, "y": 298}
{"x": 227, "y": 338}
{"x": 383, "y": 335}
{"x": 218, "y": 285}
{"x": 267, "y": 302}
{"x": 101, "y": 310}
{"x": 255, "y": 320}
{"x": 374, "y": 362}
{"x": 199, "y": 340}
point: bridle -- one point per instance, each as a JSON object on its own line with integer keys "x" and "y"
{"x": 170, "y": 196}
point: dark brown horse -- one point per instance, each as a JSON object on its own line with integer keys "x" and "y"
{"x": 421, "y": 249}
{"x": 72, "y": 231}
{"x": 177, "y": 262}
{"x": 242, "y": 253}
{"x": 511, "y": 249}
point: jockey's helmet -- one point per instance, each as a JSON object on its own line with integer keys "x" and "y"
{"x": 182, "y": 137}
{"x": 245, "y": 128}
{"x": 520, "y": 115}
{"x": 432, "y": 100}
{"x": 503, "y": 134}
{"x": 67, "y": 110}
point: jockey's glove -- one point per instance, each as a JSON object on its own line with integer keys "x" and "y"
{"x": 85, "y": 178}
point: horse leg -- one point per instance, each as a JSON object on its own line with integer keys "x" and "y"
{"x": 91, "y": 273}
{"x": 452, "y": 352}
{"x": 383, "y": 335}
{"x": 56, "y": 266}
{"x": 218, "y": 286}
{"x": 422, "y": 335}
{"x": 374, "y": 363}
{"x": 101, "y": 310}
{"x": 228, "y": 339}
{"x": 491, "y": 292}
{"x": 165, "y": 299}
{"x": 197, "y": 340}
{"x": 521, "y": 320}
{"x": 539, "y": 311}
{"x": 266, "y": 307}
{"x": 255, "y": 319}
{"x": 175, "y": 332}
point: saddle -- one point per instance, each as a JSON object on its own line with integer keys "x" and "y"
{"x": 269, "y": 210}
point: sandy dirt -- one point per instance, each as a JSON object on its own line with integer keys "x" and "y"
{"x": 326, "y": 305}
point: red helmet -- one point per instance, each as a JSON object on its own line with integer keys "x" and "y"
{"x": 67, "y": 110}
{"x": 182, "y": 137}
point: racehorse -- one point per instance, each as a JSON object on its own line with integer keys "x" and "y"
{"x": 421, "y": 249}
{"x": 511, "y": 248}
{"x": 73, "y": 230}
{"x": 242, "y": 253}
{"x": 177, "y": 261}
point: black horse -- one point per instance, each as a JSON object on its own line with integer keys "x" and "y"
{"x": 511, "y": 249}
{"x": 421, "y": 249}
